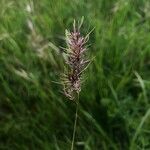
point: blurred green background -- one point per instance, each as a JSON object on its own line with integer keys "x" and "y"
{"x": 115, "y": 99}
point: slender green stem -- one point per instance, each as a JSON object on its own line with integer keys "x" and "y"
{"x": 75, "y": 123}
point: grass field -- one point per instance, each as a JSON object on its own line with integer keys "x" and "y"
{"x": 114, "y": 112}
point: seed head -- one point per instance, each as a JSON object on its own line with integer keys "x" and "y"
{"x": 75, "y": 62}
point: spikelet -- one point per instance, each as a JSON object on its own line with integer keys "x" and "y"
{"x": 75, "y": 62}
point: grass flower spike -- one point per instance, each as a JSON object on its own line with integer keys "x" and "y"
{"x": 75, "y": 61}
